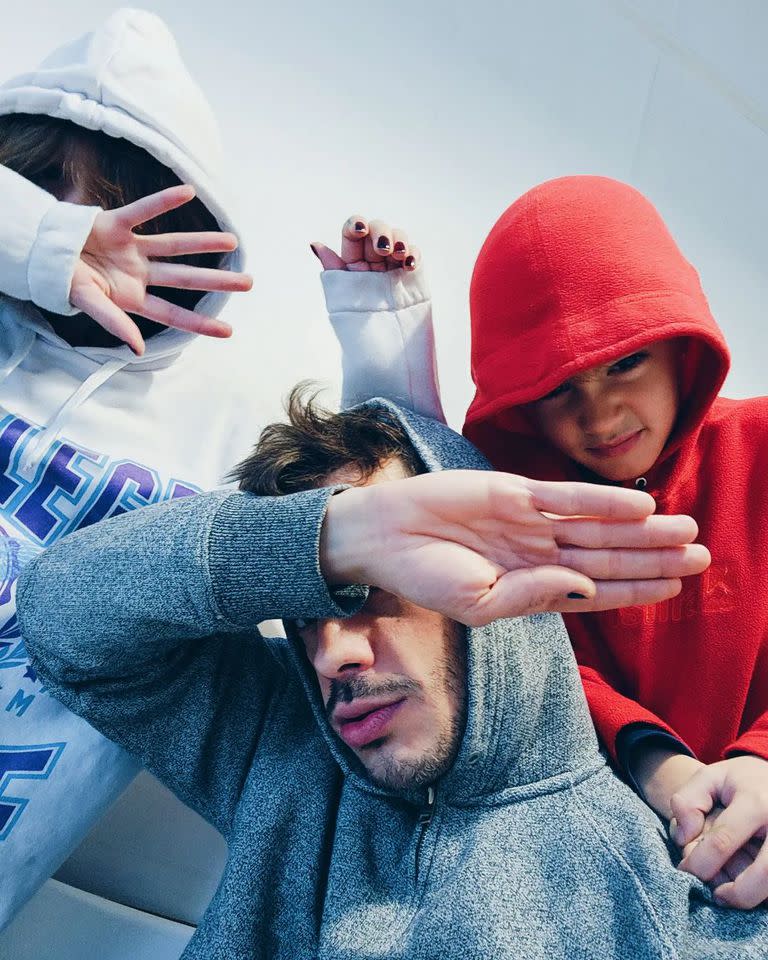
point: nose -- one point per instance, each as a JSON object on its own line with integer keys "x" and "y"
{"x": 599, "y": 411}
{"x": 342, "y": 646}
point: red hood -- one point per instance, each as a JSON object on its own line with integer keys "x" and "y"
{"x": 577, "y": 272}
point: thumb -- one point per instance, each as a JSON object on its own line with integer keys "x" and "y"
{"x": 690, "y": 806}
{"x": 326, "y": 256}
{"x": 535, "y": 590}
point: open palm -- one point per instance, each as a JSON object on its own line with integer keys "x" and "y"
{"x": 117, "y": 265}
{"x": 479, "y": 545}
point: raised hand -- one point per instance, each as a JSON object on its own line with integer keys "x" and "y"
{"x": 117, "y": 265}
{"x": 721, "y": 819}
{"x": 369, "y": 246}
{"x": 477, "y": 546}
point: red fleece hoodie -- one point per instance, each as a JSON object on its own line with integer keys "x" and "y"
{"x": 578, "y": 272}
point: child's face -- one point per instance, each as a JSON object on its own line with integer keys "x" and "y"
{"x": 615, "y": 418}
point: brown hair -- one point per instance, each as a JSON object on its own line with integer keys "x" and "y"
{"x": 300, "y": 454}
{"x": 45, "y": 150}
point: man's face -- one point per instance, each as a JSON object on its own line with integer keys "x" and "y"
{"x": 392, "y": 678}
{"x": 615, "y": 418}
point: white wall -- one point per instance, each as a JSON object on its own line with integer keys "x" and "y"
{"x": 437, "y": 115}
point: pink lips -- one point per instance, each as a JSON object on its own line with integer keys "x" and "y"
{"x": 618, "y": 448}
{"x": 360, "y": 724}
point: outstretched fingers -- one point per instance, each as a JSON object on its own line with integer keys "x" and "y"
{"x": 613, "y": 594}
{"x": 590, "y": 500}
{"x": 525, "y": 591}
{"x": 162, "y": 245}
{"x": 661, "y": 530}
{"x": 96, "y": 304}
{"x": 171, "y": 315}
{"x": 637, "y": 564}
{"x": 185, "y": 277}
{"x": 147, "y": 208}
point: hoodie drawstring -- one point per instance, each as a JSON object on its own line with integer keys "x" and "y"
{"x": 19, "y": 355}
{"x": 34, "y": 451}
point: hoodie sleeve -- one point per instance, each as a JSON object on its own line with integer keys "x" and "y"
{"x": 383, "y": 322}
{"x": 612, "y": 712}
{"x": 753, "y": 740}
{"x": 40, "y": 242}
{"x": 146, "y": 626}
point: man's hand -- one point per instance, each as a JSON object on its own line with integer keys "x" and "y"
{"x": 369, "y": 246}
{"x": 721, "y": 820}
{"x": 479, "y": 545}
{"x": 117, "y": 265}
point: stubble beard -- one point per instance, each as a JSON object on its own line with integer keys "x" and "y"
{"x": 395, "y": 773}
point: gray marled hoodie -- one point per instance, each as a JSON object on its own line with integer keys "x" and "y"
{"x": 146, "y": 625}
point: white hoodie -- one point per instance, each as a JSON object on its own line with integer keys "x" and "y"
{"x": 87, "y": 433}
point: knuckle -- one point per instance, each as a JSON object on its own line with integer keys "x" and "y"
{"x": 721, "y": 840}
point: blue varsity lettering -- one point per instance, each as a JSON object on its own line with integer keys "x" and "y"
{"x": 23, "y": 763}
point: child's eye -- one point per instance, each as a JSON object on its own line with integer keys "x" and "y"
{"x": 560, "y": 391}
{"x": 303, "y": 625}
{"x": 628, "y": 363}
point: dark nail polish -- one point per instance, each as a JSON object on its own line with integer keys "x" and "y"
{"x": 382, "y": 243}
{"x": 576, "y": 596}
{"x": 399, "y": 247}
{"x": 359, "y": 226}
{"x": 313, "y": 248}
{"x": 410, "y": 262}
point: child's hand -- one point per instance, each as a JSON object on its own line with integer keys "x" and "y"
{"x": 117, "y": 265}
{"x": 721, "y": 818}
{"x": 369, "y": 245}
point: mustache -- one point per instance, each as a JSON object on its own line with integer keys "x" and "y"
{"x": 345, "y": 691}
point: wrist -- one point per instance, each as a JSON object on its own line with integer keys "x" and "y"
{"x": 345, "y": 537}
{"x": 660, "y": 772}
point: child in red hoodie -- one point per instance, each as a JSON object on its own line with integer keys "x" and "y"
{"x": 595, "y": 357}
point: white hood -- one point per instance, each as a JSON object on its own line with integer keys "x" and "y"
{"x": 128, "y": 80}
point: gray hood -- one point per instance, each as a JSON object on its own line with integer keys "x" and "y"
{"x": 523, "y": 690}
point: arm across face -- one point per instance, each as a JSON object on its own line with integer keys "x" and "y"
{"x": 477, "y": 546}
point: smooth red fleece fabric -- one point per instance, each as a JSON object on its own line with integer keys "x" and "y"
{"x": 579, "y": 271}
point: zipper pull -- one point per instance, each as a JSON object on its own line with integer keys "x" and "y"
{"x": 425, "y": 817}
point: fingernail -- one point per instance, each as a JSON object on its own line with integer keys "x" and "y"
{"x": 576, "y": 596}
{"x": 673, "y": 829}
{"x": 313, "y": 248}
{"x": 410, "y": 262}
{"x": 399, "y": 247}
{"x": 382, "y": 243}
{"x": 359, "y": 226}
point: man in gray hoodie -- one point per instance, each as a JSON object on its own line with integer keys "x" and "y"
{"x": 390, "y": 783}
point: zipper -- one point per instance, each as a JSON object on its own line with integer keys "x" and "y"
{"x": 425, "y": 818}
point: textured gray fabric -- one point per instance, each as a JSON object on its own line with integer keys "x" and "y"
{"x": 146, "y": 625}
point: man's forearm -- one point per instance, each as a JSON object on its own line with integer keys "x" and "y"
{"x": 117, "y": 596}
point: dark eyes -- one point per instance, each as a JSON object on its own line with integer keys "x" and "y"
{"x": 628, "y": 363}
{"x": 558, "y": 391}
{"x": 621, "y": 366}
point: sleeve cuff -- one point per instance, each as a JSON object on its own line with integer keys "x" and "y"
{"x": 268, "y": 547}
{"x": 60, "y": 240}
{"x": 366, "y": 292}
{"x": 631, "y": 739}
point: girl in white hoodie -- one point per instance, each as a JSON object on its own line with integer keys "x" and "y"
{"x": 100, "y": 412}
